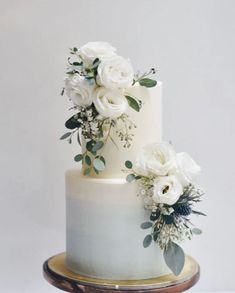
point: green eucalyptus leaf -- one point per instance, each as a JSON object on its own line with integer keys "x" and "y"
{"x": 147, "y": 240}
{"x": 128, "y": 164}
{"x": 196, "y": 231}
{"x": 96, "y": 171}
{"x": 95, "y": 63}
{"x": 174, "y": 257}
{"x": 147, "y": 82}
{"x": 97, "y": 146}
{"x": 133, "y": 103}
{"x": 72, "y": 123}
{"x": 88, "y": 160}
{"x": 77, "y": 63}
{"x": 168, "y": 219}
{"x": 87, "y": 172}
{"x": 78, "y": 158}
{"x": 146, "y": 225}
{"x": 66, "y": 135}
{"x": 89, "y": 77}
{"x": 98, "y": 164}
{"x": 78, "y": 138}
{"x": 102, "y": 159}
{"x": 130, "y": 178}
{"x": 89, "y": 145}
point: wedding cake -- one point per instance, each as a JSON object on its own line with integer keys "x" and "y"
{"x": 130, "y": 181}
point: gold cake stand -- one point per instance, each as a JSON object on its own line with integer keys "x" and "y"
{"x": 56, "y": 273}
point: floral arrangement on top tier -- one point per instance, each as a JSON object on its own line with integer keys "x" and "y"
{"x": 96, "y": 82}
{"x": 167, "y": 187}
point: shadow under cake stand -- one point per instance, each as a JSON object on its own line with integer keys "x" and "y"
{"x": 56, "y": 273}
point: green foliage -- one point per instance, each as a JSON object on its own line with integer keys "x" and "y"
{"x": 198, "y": 213}
{"x": 87, "y": 172}
{"x": 102, "y": 159}
{"x": 128, "y": 164}
{"x": 97, "y": 146}
{"x": 78, "y": 138}
{"x": 147, "y": 240}
{"x": 88, "y": 160}
{"x": 95, "y": 63}
{"x": 147, "y": 82}
{"x": 174, "y": 257}
{"x": 72, "y": 123}
{"x": 130, "y": 178}
{"x": 99, "y": 164}
{"x": 133, "y": 103}
{"x": 146, "y": 225}
{"x": 66, "y": 135}
{"x": 156, "y": 233}
{"x": 78, "y": 158}
{"x": 77, "y": 63}
{"x": 89, "y": 145}
{"x": 168, "y": 219}
{"x": 155, "y": 215}
{"x": 196, "y": 231}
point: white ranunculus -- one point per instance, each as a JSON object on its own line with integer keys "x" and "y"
{"x": 186, "y": 168}
{"x": 79, "y": 90}
{"x": 156, "y": 159}
{"x": 115, "y": 72}
{"x": 92, "y": 50}
{"x": 110, "y": 103}
{"x": 167, "y": 190}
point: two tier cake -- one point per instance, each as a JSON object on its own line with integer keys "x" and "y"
{"x": 127, "y": 205}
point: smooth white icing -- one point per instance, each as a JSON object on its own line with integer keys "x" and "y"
{"x": 149, "y": 130}
{"x": 104, "y": 238}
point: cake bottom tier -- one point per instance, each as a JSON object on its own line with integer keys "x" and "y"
{"x": 103, "y": 234}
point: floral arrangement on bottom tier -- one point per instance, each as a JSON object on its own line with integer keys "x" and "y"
{"x": 166, "y": 185}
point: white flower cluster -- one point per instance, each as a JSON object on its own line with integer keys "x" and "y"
{"x": 106, "y": 90}
{"x": 169, "y": 171}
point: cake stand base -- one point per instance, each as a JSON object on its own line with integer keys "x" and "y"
{"x": 56, "y": 273}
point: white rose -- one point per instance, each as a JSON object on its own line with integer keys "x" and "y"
{"x": 186, "y": 168}
{"x": 115, "y": 72}
{"x": 156, "y": 159}
{"x": 79, "y": 90}
{"x": 110, "y": 103}
{"x": 167, "y": 190}
{"x": 92, "y": 50}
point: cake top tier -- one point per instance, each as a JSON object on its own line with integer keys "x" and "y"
{"x": 116, "y": 112}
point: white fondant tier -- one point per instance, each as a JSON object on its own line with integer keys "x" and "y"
{"x": 104, "y": 238}
{"x": 148, "y": 130}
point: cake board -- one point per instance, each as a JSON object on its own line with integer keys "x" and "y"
{"x": 56, "y": 273}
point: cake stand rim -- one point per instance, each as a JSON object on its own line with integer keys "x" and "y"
{"x": 166, "y": 281}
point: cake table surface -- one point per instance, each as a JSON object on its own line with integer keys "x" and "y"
{"x": 56, "y": 273}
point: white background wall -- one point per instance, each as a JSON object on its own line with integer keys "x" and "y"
{"x": 191, "y": 42}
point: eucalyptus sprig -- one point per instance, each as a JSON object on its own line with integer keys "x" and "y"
{"x": 144, "y": 80}
{"x": 131, "y": 177}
